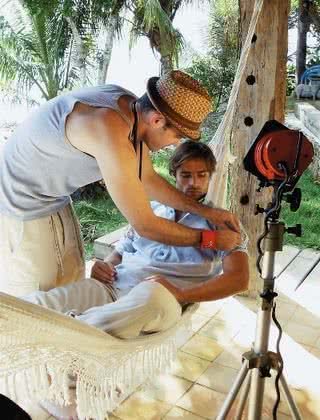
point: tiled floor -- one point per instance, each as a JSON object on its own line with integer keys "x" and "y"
{"x": 208, "y": 362}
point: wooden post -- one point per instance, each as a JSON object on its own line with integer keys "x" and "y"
{"x": 258, "y": 95}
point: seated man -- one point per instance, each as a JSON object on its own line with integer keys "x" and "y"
{"x": 142, "y": 286}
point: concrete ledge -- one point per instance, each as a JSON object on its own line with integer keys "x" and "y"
{"x": 104, "y": 246}
{"x": 312, "y": 122}
{"x": 301, "y": 109}
{"x": 309, "y": 116}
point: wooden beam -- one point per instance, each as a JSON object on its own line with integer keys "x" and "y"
{"x": 253, "y": 101}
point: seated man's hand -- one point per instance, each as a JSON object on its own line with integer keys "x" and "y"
{"x": 225, "y": 219}
{"x": 176, "y": 291}
{"x": 104, "y": 272}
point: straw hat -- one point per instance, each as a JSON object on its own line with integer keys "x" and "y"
{"x": 181, "y": 100}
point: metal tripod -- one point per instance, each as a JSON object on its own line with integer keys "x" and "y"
{"x": 258, "y": 362}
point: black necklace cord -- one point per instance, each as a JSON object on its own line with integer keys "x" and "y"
{"x": 134, "y": 139}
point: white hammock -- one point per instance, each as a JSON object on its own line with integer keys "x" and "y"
{"x": 41, "y": 349}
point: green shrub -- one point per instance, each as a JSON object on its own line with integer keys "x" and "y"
{"x": 307, "y": 214}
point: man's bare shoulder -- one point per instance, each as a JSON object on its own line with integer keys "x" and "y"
{"x": 88, "y": 127}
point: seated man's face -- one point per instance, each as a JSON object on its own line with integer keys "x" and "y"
{"x": 192, "y": 178}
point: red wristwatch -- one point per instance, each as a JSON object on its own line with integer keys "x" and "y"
{"x": 208, "y": 239}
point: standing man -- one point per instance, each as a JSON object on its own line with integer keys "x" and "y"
{"x": 81, "y": 137}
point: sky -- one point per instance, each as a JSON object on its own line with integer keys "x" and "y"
{"x": 132, "y": 70}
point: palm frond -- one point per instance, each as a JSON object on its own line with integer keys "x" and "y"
{"x": 34, "y": 42}
{"x": 152, "y": 18}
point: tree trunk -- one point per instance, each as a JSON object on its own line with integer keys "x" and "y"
{"x": 252, "y": 102}
{"x": 104, "y": 56}
{"x": 303, "y": 29}
{"x": 166, "y": 64}
{"x": 314, "y": 14}
{"x": 80, "y": 52}
{"x": 166, "y": 59}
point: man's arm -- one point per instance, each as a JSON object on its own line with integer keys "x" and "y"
{"x": 234, "y": 279}
{"x": 103, "y": 134}
{"x": 161, "y": 190}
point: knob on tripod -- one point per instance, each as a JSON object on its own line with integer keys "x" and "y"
{"x": 294, "y": 199}
{"x": 295, "y": 230}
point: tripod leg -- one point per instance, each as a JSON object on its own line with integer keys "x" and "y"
{"x": 256, "y": 395}
{"x": 290, "y": 401}
{"x": 243, "y": 397}
{"x": 233, "y": 392}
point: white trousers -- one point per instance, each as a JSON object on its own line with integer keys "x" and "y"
{"x": 147, "y": 307}
{"x": 40, "y": 254}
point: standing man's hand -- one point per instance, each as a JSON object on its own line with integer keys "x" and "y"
{"x": 224, "y": 219}
{"x": 227, "y": 240}
{"x": 104, "y": 272}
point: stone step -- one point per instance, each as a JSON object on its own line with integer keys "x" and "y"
{"x": 310, "y": 118}
{"x": 104, "y": 245}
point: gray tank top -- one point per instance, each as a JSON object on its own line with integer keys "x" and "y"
{"x": 39, "y": 168}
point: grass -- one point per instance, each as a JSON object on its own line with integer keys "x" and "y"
{"x": 160, "y": 161}
{"x": 307, "y": 215}
{"x": 97, "y": 217}
{"x": 290, "y": 102}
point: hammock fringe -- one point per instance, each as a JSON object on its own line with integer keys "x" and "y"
{"x": 95, "y": 398}
{"x": 79, "y": 362}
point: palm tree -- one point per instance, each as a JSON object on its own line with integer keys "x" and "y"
{"x": 154, "y": 19}
{"x": 49, "y": 44}
{"x": 35, "y": 47}
{"x": 94, "y": 25}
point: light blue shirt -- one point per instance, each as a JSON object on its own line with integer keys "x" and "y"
{"x": 184, "y": 266}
